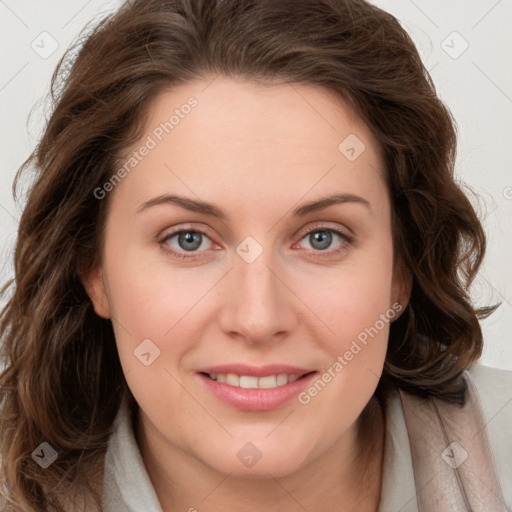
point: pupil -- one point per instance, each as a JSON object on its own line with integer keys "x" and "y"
{"x": 324, "y": 239}
{"x": 189, "y": 238}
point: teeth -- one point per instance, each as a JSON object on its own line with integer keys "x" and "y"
{"x": 232, "y": 379}
{"x": 282, "y": 379}
{"x": 248, "y": 382}
{"x": 268, "y": 382}
{"x": 251, "y": 382}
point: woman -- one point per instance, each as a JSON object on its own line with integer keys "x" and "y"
{"x": 242, "y": 275}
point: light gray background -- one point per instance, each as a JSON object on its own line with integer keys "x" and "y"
{"x": 476, "y": 84}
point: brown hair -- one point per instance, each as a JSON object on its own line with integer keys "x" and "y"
{"x": 62, "y": 381}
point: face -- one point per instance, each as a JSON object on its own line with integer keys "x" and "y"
{"x": 255, "y": 325}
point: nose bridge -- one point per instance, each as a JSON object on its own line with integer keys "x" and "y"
{"x": 257, "y": 281}
{"x": 259, "y": 304}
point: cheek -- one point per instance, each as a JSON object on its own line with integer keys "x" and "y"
{"x": 144, "y": 293}
{"x": 151, "y": 299}
{"x": 143, "y": 304}
{"x": 351, "y": 297}
{"x": 357, "y": 309}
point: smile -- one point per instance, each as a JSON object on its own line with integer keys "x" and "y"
{"x": 252, "y": 382}
{"x": 253, "y": 388}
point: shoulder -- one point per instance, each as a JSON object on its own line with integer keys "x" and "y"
{"x": 495, "y": 392}
{"x": 486, "y": 376}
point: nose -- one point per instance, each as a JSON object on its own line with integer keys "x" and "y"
{"x": 258, "y": 306}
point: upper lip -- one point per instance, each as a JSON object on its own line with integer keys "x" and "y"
{"x": 255, "y": 371}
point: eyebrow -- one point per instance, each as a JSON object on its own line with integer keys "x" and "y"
{"x": 214, "y": 211}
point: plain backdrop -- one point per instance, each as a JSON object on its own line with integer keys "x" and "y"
{"x": 465, "y": 44}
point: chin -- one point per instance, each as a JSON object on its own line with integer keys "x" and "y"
{"x": 247, "y": 461}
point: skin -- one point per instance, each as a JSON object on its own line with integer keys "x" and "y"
{"x": 257, "y": 152}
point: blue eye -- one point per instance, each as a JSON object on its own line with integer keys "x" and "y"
{"x": 188, "y": 240}
{"x": 189, "y": 243}
{"x": 320, "y": 239}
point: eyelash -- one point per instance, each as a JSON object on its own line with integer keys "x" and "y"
{"x": 346, "y": 241}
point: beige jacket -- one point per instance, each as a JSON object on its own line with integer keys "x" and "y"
{"x": 437, "y": 458}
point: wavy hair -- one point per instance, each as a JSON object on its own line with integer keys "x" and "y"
{"x": 62, "y": 381}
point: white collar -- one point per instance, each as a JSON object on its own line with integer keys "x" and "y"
{"x": 126, "y": 483}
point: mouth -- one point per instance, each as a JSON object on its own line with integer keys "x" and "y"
{"x": 253, "y": 382}
{"x": 255, "y": 388}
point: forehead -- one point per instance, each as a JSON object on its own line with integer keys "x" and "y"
{"x": 245, "y": 140}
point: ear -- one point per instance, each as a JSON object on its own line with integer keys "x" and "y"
{"x": 401, "y": 286}
{"x": 94, "y": 285}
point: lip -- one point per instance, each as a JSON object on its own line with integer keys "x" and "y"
{"x": 256, "y": 371}
{"x": 262, "y": 399}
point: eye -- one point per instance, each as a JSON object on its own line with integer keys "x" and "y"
{"x": 321, "y": 238}
{"x": 185, "y": 241}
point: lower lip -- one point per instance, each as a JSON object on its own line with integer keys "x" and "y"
{"x": 261, "y": 399}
